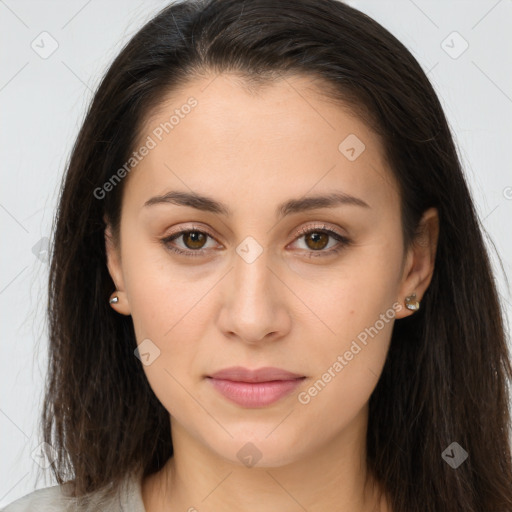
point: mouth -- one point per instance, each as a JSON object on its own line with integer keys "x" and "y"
{"x": 254, "y": 388}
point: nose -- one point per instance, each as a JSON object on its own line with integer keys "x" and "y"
{"x": 254, "y": 303}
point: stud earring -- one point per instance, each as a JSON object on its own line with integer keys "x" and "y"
{"x": 114, "y": 299}
{"x": 411, "y": 302}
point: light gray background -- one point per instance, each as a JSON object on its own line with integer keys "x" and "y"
{"x": 42, "y": 103}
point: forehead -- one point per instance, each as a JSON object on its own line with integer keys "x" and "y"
{"x": 283, "y": 138}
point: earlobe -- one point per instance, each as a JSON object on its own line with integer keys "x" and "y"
{"x": 411, "y": 302}
{"x": 119, "y": 303}
{"x": 419, "y": 268}
{"x": 117, "y": 300}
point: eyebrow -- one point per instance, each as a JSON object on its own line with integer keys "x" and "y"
{"x": 208, "y": 204}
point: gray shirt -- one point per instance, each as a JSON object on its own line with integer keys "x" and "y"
{"x": 54, "y": 499}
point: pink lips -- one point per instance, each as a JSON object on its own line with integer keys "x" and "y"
{"x": 254, "y": 388}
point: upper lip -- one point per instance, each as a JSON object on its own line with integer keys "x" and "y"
{"x": 266, "y": 374}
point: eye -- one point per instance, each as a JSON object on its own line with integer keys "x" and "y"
{"x": 193, "y": 239}
{"x": 316, "y": 239}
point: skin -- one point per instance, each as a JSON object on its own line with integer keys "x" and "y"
{"x": 253, "y": 151}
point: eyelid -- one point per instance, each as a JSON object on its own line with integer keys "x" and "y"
{"x": 318, "y": 227}
{"x": 186, "y": 229}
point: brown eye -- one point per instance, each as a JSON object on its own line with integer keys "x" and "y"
{"x": 316, "y": 240}
{"x": 321, "y": 241}
{"x": 189, "y": 242}
{"x": 193, "y": 242}
{"x": 194, "y": 239}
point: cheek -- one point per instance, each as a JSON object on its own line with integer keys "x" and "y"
{"x": 161, "y": 295}
{"x": 168, "y": 311}
{"x": 354, "y": 311}
{"x": 172, "y": 314}
{"x": 348, "y": 367}
{"x": 347, "y": 299}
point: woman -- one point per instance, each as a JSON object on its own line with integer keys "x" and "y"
{"x": 269, "y": 289}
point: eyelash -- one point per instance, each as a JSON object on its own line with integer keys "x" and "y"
{"x": 343, "y": 241}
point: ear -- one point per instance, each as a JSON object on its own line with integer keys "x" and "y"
{"x": 113, "y": 253}
{"x": 420, "y": 260}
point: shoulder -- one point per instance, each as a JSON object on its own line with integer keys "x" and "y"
{"x": 127, "y": 498}
{"x": 48, "y": 499}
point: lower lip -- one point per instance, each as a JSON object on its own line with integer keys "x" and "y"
{"x": 255, "y": 394}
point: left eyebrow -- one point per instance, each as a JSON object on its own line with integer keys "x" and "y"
{"x": 319, "y": 201}
{"x": 208, "y": 204}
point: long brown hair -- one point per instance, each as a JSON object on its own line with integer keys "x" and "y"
{"x": 447, "y": 372}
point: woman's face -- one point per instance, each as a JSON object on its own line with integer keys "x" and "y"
{"x": 248, "y": 176}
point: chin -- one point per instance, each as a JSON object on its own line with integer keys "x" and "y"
{"x": 259, "y": 451}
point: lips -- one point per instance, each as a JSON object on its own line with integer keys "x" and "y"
{"x": 267, "y": 374}
{"x": 254, "y": 388}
